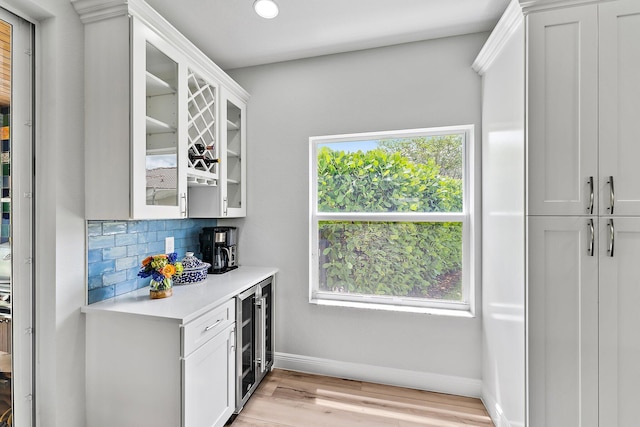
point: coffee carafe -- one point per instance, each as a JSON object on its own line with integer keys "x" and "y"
{"x": 218, "y": 247}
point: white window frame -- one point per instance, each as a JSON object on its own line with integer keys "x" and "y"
{"x": 468, "y": 218}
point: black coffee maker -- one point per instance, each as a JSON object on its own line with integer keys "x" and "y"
{"x": 218, "y": 247}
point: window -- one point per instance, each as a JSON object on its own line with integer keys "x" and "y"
{"x": 391, "y": 224}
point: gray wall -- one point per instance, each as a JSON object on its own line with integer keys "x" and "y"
{"x": 413, "y": 85}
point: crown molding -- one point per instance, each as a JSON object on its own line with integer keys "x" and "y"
{"x": 511, "y": 19}
{"x": 91, "y": 11}
{"x": 529, "y": 6}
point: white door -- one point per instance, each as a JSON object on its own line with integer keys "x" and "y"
{"x": 16, "y": 234}
{"x": 619, "y": 107}
{"x": 209, "y": 382}
{"x": 619, "y": 321}
{"x": 562, "y": 139}
{"x": 562, "y": 328}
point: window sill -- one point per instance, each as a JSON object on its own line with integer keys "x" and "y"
{"x": 396, "y": 308}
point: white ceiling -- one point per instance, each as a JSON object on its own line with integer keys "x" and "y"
{"x": 232, "y": 35}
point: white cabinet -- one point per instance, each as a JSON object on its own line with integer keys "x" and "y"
{"x": 583, "y": 105}
{"x": 619, "y": 372}
{"x": 209, "y": 381}
{"x": 158, "y": 180}
{"x": 153, "y": 108}
{"x": 562, "y": 111}
{"x": 228, "y": 199}
{"x": 149, "y": 370}
{"x": 584, "y": 215}
{"x": 563, "y": 322}
{"x": 583, "y": 321}
{"x": 619, "y": 95}
{"x": 134, "y": 85}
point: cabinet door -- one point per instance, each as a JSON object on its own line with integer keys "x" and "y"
{"x": 619, "y": 322}
{"x": 620, "y": 107}
{"x": 562, "y": 315}
{"x": 234, "y": 170}
{"x": 209, "y": 382}
{"x": 562, "y": 112}
{"x": 158, "y": 144}
{"x": 229, "y": 198}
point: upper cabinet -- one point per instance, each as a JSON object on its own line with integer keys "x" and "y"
{"x": 158, "y": 120}
{"x": 584, "y": 102}
{"x": 228, "y": 199}
{"x": 563, "y": 111}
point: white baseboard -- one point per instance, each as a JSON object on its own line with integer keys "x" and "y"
{"x": 460, "y": 386}
{"x": 495, "y": 411}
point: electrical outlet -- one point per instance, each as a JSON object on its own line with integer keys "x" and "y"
{"x": 168, "y": 245}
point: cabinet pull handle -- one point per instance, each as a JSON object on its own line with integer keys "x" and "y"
{"x": 591, "y": 196}
{"x": 612, "y": 197}
{"x": 612, "y": 235}
{"x": 210, "y": 327}
{"x": 592, "y": 238}
{"x": 225, "y": 206}
{"x": 183, "y": 205}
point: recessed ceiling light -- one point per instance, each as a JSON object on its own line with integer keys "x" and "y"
{"x": 266, "y": 8}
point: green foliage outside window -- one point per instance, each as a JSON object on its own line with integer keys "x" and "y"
{"x": 408, "y": 259}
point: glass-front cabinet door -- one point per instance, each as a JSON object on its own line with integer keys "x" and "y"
{"x": 234, "y": 170}
{"x": 158, "y": 131}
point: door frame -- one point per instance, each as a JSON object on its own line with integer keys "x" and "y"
{"x": 22, "y": 215}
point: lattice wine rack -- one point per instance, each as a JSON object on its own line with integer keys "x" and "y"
{"x": 202, "y": 161}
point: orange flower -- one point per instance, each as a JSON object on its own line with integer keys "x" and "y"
{"x": 168, "y": 270}
{"x": 146, "y": 261}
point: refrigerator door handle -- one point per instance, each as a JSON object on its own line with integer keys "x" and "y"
{"x": 261, "y": 338}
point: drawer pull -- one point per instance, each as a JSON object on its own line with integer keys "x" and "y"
{"x": 210, "y": 327}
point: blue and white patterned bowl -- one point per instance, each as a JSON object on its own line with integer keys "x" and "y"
{"x": 194, "y": 270}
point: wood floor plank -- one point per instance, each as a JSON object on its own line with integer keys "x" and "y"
{"x": 294, "y": 399}
{"x": 295, "y": 389}
{"x": 304, "y": 414}
{"x": 423, "y": 395}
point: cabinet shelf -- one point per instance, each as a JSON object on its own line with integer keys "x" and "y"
{"x": 160, "y": 151}
{"x": 156, "y": 86}
{"x": 233, "y": 181}
{"x": 196, "y": 177}
{"x": 231, "y": 153}
{"x": 155, "y": 126}
{"x": 232, "y": 125}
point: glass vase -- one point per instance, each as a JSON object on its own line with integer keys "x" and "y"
{"x": 161, "y": 289}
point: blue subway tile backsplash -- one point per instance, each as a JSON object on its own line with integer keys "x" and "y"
{"x": 115, "y": 250}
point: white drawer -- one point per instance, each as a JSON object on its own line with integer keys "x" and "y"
{"x": 207, "y": 326}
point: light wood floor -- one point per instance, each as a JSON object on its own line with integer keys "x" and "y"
{"x": 293, "y": 399}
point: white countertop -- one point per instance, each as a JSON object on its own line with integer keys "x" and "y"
{"x": 188, "y": 301}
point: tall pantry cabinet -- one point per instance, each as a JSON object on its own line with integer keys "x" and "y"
{"x": 583, "y": 182}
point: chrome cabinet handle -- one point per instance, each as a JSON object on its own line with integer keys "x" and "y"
{"x": 183, "y": 204}
{"x": 612, "y": 235}
{"x": 591, "y": 196}
{"x": 592, "y": 239}
{"x": 232, "y": 340}
{"x": 612, "y": 197}
{"x": 210, "y": 327}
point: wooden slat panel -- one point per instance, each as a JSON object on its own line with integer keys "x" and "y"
{"x": 5, "y": 63}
